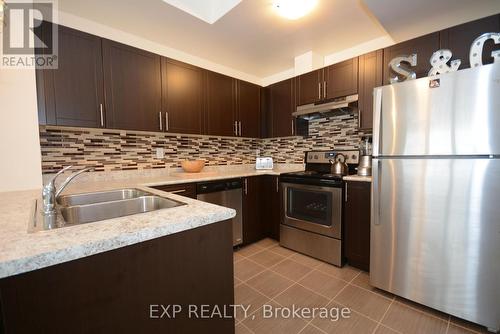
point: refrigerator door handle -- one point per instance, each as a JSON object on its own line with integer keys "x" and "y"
{"x": 376, "y": 191}
{"x": 377, "y": 115}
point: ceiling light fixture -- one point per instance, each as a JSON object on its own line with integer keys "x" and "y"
{"x": 294, "y": 9}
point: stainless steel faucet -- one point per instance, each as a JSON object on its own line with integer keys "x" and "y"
{"x": 50, "y": 193}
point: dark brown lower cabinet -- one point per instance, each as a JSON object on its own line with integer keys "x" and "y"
{"x": 253, "y": 227}
{"x": 184, "y": 189}
{"x": 270, "y": 206}
{"x": 357, "y": 224}
{"x": 118, "y": 291}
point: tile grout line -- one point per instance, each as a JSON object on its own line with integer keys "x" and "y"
{"x": 379, "y": 323}
{"x": 329, "y": 300}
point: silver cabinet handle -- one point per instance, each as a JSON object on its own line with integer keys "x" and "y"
{"x": 359, "y": 118}
{"x": 178, "y": 191}
{"x": 293, "y": 127}
{"x": 319, "y": 90}
{"x": 161, "y": 122}
{"x": 101, "y": 112}
{"x": 239, "y": 128}
{"x": 346, "y": 190}
{"x": 235, "y": 128}
{"x": 246, "y": 186}
{"x": 167, "y": 125}
{"x": 324, "y": 89}
{"x": 277, "y": 184}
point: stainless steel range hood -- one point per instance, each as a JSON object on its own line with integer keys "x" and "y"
{"x": 341, "y": 105}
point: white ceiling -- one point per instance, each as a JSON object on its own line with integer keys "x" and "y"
{"x": 207, "y": 10}
{"x": 252, "y": 39}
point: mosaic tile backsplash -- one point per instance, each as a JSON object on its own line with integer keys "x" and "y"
{"x": 109, "y": 150}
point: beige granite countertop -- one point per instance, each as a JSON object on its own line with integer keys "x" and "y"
{"x": 21, "y": 251}
{"x": 358, "y": 178}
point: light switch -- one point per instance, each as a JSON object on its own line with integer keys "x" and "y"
{"x": 160, "y": 153}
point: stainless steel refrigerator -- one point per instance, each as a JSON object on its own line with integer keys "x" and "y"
{"x": 435, "y": 228}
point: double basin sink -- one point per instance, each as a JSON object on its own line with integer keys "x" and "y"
{"x": 96, "y": 206}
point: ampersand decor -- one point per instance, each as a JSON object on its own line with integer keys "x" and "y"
{"x": 405, "y": 73}
{"x": 476, "y": 49}
{"x": 439, "y": 62}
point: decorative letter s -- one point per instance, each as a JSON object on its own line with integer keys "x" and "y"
{"x": 405, "y": 73}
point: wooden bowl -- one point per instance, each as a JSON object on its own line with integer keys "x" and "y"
{"x": 193, "y": 166}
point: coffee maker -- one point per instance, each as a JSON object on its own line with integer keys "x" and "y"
{"x": 365, "y": 157}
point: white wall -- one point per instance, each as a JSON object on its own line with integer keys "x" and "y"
{"x": 20, "y": 166}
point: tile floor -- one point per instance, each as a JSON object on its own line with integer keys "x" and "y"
{"x": 265, "y": 273}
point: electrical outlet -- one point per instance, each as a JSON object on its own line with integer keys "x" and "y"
{"x": 160, "y": 153}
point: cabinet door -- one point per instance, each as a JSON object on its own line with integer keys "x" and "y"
{"x": 220, "y": 105}
{"x": 423, "y": 46}
{"x": 370, "y": 76}
{"x": 253, "y": 229}
{"x": 249, "y": 109}
{"x": 309, "y": 89}
{"x": 132, "y": 80}
{"x": 182, "y": 99}
{"x": 270, "y": 206}
{"x": 459, "y": 39}
{"x": 341, "y": 79}
{"x": 282, "y": 104}
{"x": 72, "y": 94}
{"x": 357, "y": 224}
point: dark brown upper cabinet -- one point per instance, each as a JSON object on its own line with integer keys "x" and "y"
{"x": 248, "y": 109}
{"x": 220, "y": 111}
{"x": 132, "y": 80}
{"x": 370, "y": 76}
{"x": 341, "y": 79}
{"x": 423, "y": 46}
{"x": 459, "y": 39}
{"x": 182, "y": 97}
{"x": 309, "y": 87}
{"x": 280, "y": 105}
{"x": 331, "y": 82}
{"x": 72, "y": 95}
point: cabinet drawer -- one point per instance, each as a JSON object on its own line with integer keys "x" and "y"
{"x": 184, "y": 189}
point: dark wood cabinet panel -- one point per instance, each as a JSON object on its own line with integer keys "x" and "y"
{"x": 248, "y": 109}
{"x": 370, "y": 76}
{"x": 341, "y": 79}
{"x": 182, "y": 97}
{"x": 459, "y": 39}
{"x": 132, "y": 80}
{"x": 309, "y": 89}
{"x": 253, "y": 229}
{"x": 111, "y": 292}
{"x": 184, "y": 189}
{"x": 423, "y": 46}
{"x": 281, "y": 105}
{"x": 72, "y": 94}
{"x": 220, "y": 104}
{"x": 270, "y": 205}
{"x": 357, "y": 224}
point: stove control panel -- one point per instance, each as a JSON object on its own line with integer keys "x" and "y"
{"x": 324, "y": 157}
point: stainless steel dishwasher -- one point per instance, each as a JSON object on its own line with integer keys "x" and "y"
{"x": 224, "y": 193}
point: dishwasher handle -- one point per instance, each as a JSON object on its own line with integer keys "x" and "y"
{"x": 216, "y": 186}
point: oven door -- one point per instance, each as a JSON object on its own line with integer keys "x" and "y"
{"x": 312, "y": 208}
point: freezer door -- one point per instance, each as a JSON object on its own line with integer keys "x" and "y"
{"x": 460, "y": 117}
{"x": 435, "y": 234}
